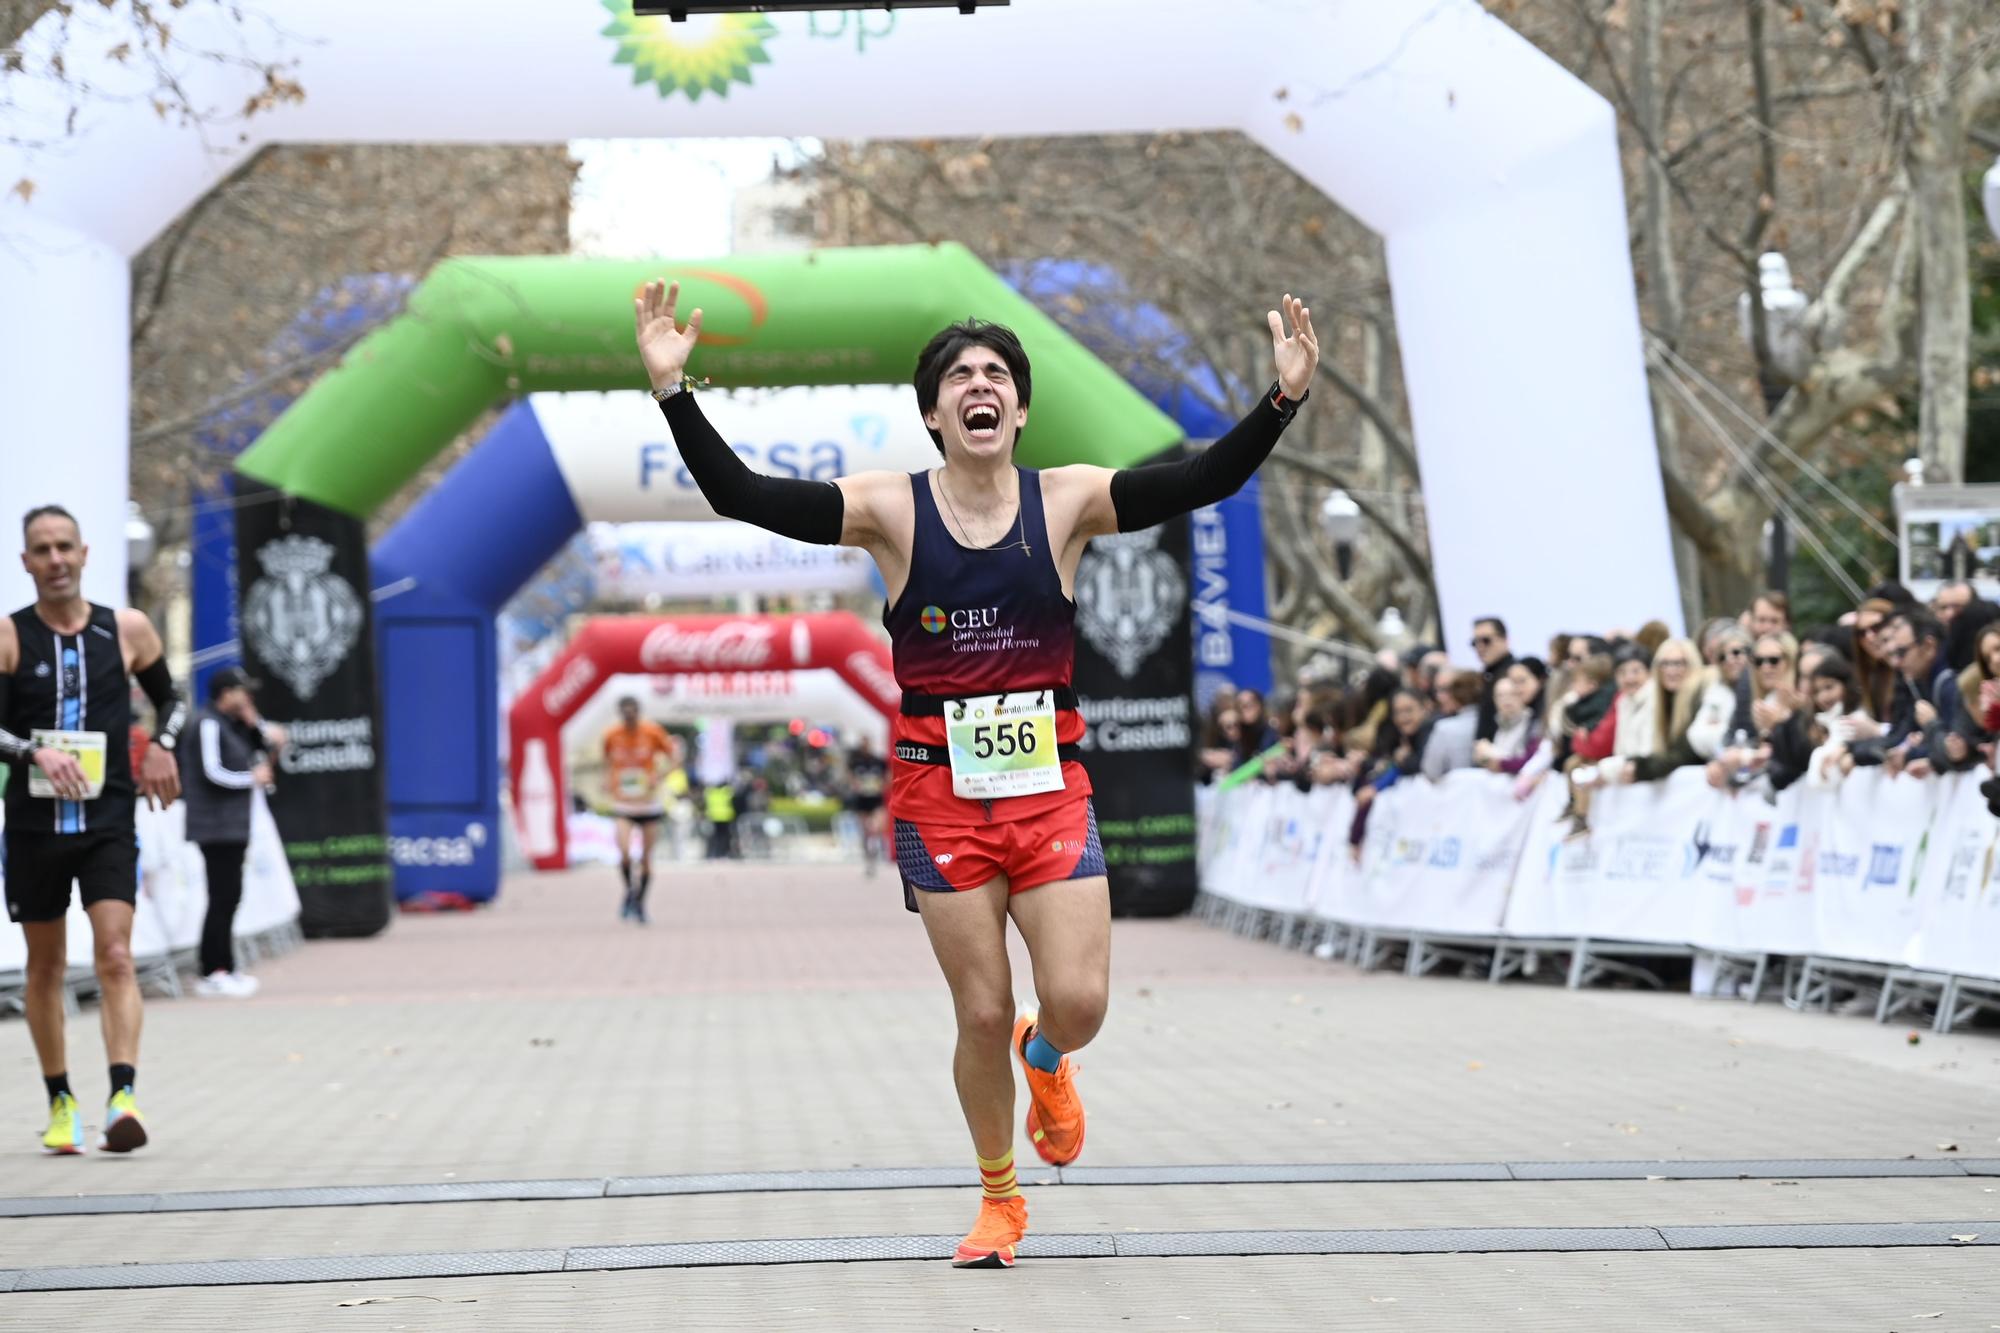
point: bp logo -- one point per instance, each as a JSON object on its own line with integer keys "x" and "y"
{"x": 704, "y": 54}
{"x": 933, "y": 619}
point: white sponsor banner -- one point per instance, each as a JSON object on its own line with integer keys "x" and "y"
{"x": 1754, "y": 875}
{"x": 1440, "y": 856}
{"x": 173, "y": 889}
{"x": 616, "y": 453}
{"x": 1627, "y": 880}
{"x": 1874, "y": 835}
{"x": 1960, "y": 907}
{"x": 638, "y": 560}
{"x": 1881, "y": 869}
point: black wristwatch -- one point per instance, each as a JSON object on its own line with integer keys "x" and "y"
{"x": 1286, "y": 407}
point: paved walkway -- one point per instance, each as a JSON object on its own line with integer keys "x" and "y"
{"x": 790, "y": 1019}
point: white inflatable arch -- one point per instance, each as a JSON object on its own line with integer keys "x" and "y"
{"x": 1491, "y": 173}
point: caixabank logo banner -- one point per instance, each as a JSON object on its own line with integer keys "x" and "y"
{"x": 704, "y": 54}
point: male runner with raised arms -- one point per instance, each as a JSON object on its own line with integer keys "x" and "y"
{"x": 637, "y": 755}
{"x": 980, "y": 560}
{"x": 65, "y": 716}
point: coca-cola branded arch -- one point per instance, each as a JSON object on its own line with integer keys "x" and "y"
{"x": 667, "y": 645}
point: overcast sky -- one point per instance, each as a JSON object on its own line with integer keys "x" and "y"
{"x": 663, "y": 197}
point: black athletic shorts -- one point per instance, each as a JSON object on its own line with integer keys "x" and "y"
{"x": 864, "y": 805}
{"x": 648, "y": 817}
{"x": 41, "y": 866}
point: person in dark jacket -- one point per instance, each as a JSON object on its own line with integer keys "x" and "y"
{"x": 1926, "y": 703}
{"x": 223, "y": 761}
{"x": 1489, "y": 641}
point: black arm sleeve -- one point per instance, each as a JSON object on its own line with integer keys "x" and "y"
{"x": 1143, "y": 496}
{"x": 170, "y": 711}
{"x": 807, "y": 511}
{"x": 13, "y": 749}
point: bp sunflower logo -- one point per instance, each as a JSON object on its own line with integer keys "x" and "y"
{"x": 932, "y": 619}
{"x": 703, "y": 54}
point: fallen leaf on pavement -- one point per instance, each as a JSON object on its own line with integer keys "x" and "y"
{"x": 1966, "y": 1240}
{"x": 1947, "y": 1147}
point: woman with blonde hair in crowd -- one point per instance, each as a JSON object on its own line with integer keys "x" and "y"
{"x": 1691, "y": 708}
{"x": 1772, "y": 686}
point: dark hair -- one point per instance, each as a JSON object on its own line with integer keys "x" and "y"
{"x": 1594, "y": 645}
{"x": 1893, "y": 591}
{"x": 47, "y": 511}
{"x": 951, "y": 342}
{"x": 629, "y": 699}
{"x": 1535, "y": 667}
{"x": 1962, "y": 638}
{"x": 1630, "y": 652}
{"x": 1465, "y": 688}
{"x": 1834, "y": 667}
{"x": 1499, "y": 625}
{"x": 1923, "y": 625}
{"x": 1777, "y": 599}
{"x": 1376, "y": 688}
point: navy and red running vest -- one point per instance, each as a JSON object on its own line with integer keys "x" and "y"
{"x": 972, "y": 622}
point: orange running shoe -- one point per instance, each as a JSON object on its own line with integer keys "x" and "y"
{"x": 1055, "y": 1112}
{"x": 1001, "y": 1224}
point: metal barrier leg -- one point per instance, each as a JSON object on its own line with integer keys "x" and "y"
{"x": 1947, "y": 1009}
{"x": 1579, "y": 964}
{"x": 1885, "y": 1003}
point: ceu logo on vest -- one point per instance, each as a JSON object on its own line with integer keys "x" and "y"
{"x": 302, "y": 619}
{"x": 1128, "y": 597}
{"x": 933, "y": 619}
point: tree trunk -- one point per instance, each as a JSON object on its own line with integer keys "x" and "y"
{"x": 1934, "y": 151}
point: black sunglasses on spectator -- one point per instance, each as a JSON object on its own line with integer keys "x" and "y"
{"x": 1483, "y": 640}
{"x": 1769, "y": 661}
{"x": 1738, "y": 651}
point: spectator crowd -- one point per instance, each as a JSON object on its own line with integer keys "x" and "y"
{"x": 1909, "y": 687}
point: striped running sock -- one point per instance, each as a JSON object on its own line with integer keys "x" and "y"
{"x": 997, "y": 1178}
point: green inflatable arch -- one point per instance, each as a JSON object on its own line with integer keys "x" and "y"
{"x": 480, "y": 331}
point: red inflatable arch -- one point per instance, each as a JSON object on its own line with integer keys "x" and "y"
{"x": 667, "y": 645}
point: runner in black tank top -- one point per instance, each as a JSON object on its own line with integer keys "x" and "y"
{"x": 65, "y": 737}
{"x": 993, "y": 816}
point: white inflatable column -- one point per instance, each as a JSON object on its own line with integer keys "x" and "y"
{"x": 65, "y": 372}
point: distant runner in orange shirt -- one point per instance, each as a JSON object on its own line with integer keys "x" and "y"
{"x": 637, "y": 756}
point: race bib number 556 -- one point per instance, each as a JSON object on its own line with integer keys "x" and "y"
{"x": 1002, "y": 745}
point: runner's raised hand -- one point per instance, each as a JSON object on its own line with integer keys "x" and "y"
{"x": 1297, "y": 355}
{"x": 663, "y": 345}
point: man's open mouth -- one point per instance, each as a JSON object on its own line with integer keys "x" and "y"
{"x": 981, "y": 421}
